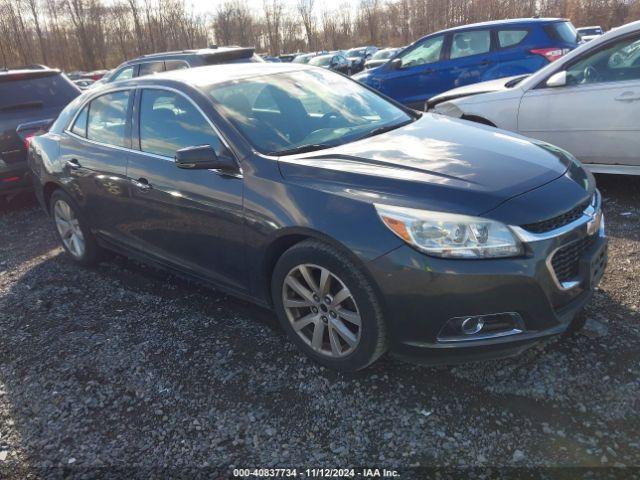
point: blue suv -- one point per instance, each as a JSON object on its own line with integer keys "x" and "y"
{"x": 470, "y": 54}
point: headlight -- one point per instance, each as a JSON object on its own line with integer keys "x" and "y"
{"x": 450, "y": 235}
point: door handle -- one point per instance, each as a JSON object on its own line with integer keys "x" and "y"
{"x": 627, "y": 97}
{"x": 428, "y": 70}
{"x": 142, "y": 184}
{"x": 73, "y": 164}
{"x": 485, "y": 62}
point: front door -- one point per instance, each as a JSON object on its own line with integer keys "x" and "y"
{"x": 419, "y": 75}
{"x": 595, "y": 116}
{"x": 189, "y": 219}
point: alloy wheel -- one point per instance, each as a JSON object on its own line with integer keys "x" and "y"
{"x": 68, "y": 227}
{"x": 321, "y": 310}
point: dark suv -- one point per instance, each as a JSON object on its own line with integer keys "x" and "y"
{"x": 31, "y": 98}
{"x": 165, "y": 61}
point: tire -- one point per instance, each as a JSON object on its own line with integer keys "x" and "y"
{"x": 360, "y": 312}
{"x": 90, "y": 253}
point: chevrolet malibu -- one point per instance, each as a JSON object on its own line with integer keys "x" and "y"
{"x": 366, "y": 226}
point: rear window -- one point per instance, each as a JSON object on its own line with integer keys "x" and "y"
{"x": 37, "y": 92}
{"x": 509, "y": 38}
{"x": 562, "y": 32}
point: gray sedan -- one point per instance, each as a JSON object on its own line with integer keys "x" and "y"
{"x": 587, "y": 102}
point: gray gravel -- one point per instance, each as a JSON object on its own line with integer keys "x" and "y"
{"x": 125, "y": 366}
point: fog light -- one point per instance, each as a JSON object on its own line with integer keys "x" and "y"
{"x": 481, "y": 327}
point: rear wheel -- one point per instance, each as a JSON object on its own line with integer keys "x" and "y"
{"x": 328, "y": 307}
{"x": 73, "y": 232}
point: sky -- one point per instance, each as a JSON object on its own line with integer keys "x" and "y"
{"x": 209, "y": 6}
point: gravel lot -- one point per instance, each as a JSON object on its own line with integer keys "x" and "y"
{"x": 125, "y": 366}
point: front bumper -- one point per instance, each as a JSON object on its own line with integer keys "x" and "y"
{"x": 423, "y": 293}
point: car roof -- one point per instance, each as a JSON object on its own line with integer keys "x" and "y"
{"x": 222, "y": 73}
{"x": 188, "y": 53}
{"x": 31, "y": 71}
{"x": 592, "y": 26}
{"x": 508, "y": 21}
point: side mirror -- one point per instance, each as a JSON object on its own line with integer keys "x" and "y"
{"x": 204, "y": 157}
{"x": 395, "y": 64}
{"x": 558, "y": 79}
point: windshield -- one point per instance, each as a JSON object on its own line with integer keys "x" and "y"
{"x": 356, "y": 52}
{"x": 302, "y": 59}
{"x": 382, "y": 54}
{"x": 321, "y": 61}
{"x": 310, "y": 109}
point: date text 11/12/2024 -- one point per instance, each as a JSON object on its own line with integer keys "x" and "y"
{"x": 315, "y": 473}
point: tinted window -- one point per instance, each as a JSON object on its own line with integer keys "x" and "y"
{"x": 313, "y": 107}
{"x": 509, "y": 38}
{"x": 39, "y": 92}
{"x": 175, "y": 65}
{"x": 80, "y": 125}
{"x": 616, "y": 63}
{"x": 465, "y": 44}
{"x": 427, "y": 52}
{"x": 123, "y": 74}
{"x": 108, "y": 118}
{"x": 151, "y": 67}
{"x": 169, "y": 122}
{"x": 562, "y": 31}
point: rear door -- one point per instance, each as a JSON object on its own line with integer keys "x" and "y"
{"x": 470, "y": 56}
{"x": 420, "y": 74}
{"x": 189, "y": 219}
{"x": 595, "y": 116}
{"x": 93, "y": 152}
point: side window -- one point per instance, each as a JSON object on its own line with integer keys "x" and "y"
{"x": 148, "y": 68}
{"x": 617, "y": 62}
{"x": 123, "y": 74}
{"x": 107, "y": 118}
{"x": 427, "y": 52}
{"x": 80, "y": 125}
{"x": 474, "y": 42}
{"x": 175, "y": 65}
{"x": 510, "y": 38}
{"x": 169, "y": 122}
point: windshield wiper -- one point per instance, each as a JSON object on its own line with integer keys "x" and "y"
{"x": 302, "y": 149}
{"x": 386, "y": 128}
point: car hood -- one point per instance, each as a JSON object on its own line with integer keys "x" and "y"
{"x": 473, "y": 89}
{"x": 436, "y": 162}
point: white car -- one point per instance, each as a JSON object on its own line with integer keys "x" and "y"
{"x": 587, "y": 102}
{"x": 589, "y": 33}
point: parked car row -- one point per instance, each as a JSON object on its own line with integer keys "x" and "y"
{"x": 588, "y": 102}
{"x": 348, "y": 212}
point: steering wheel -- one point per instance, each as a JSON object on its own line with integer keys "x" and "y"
{"x": 590, "y": 74}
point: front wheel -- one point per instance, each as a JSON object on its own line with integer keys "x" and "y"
{"x": 328, "y": 307}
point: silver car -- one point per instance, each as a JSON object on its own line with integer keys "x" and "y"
{"x": 587, "y": 102}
